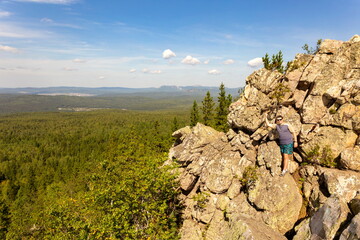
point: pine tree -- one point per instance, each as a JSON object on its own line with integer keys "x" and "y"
{"x": 207, "y": 109}
{"x": 175, "y": 125}
{"x": 266, "y": 61}
{"x": 222, "y": 110}
{"x": 194, "y": 115}
{"x": 276, "y": 62}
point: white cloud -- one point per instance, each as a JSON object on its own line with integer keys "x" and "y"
{"x": 55, "y": 24}
{"x": 132, "y": 70}
{"x": 254, "y": 63}
{"x": 78, "y": 60}
{"x": 190, "y": 60}
{"x": 46, "y": 20}
{"x": 206, "y": 61}
{"x": 214, "y": 72}
{"x": 228, "y": 62}
{"x": 101, "y": 77}
{"x": 168, "y": 54}
{"x": 65, "y": 2}
{"x": 145, "y": 70}
{"x": 5, "y": 14}
{"x": 69, "y": 69}
{"x": 8, "y": 49}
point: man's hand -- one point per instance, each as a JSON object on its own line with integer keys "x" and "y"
{"x": 295, "y": 144}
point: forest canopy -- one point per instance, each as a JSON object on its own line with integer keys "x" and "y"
{"x": 90, "y": 175}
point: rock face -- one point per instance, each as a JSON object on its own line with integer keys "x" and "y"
{"x": 230, "y": 183}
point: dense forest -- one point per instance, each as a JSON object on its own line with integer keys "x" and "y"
{"x": 88, "y": 175}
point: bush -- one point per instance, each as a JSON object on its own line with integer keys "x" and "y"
{"x": 201, "y": 199}
{"x": 279, "y": 92}
{"x": 250, "y": 176}
{"x": 323, "y": 156}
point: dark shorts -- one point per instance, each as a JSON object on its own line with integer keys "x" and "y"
{"x": 287, "y": 148}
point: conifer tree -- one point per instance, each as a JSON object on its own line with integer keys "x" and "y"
{"x": 222, "y": 110}
{"x": 194, "y": 115}
{"x": 266, "y": 61}
{"x": 276, "y": 62}
{"x": 207, "y": 109}
{"x": 175, "y": 125}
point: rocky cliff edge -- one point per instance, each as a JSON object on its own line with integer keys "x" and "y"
{"x": 231, "y": 188}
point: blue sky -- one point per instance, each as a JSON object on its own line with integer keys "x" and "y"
{"x": 143, "y": 43}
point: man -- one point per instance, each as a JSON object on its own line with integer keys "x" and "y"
{"x": 288, "y": 141}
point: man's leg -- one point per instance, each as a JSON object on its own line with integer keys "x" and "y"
{"x": 285, "y": 161}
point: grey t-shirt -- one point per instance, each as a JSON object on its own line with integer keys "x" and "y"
{"x": 285, "y": 135}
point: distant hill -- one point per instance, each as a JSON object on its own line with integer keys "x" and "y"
{"x": 14, "y": 100}
{"x": 84, "y": 91}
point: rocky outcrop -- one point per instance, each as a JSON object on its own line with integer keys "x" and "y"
{"x": 230, "y": 183}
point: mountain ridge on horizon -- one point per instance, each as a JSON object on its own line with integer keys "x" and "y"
{"x": 96, "y": 91}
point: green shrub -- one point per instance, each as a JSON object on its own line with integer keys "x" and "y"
{"x": 201, "y": 199}
{"x": 250, "y": 176}
{"x": 332, "y": 111}
{"x": 310, "y": 50}
{"x": 323, "y": 156}
{"x": 279, "y": 92}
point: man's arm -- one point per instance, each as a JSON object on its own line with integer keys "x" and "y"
{"x": 267, "y": 122}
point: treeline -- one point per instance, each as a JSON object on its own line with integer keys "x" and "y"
{"x": 94, "y": 175}
{"x": 211, "y": 113}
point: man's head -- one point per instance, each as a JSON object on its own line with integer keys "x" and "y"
{"x": 278, "y": 119}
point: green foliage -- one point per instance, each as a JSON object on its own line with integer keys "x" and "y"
{"x": 94, "y": 175}
{"x": 332, "y": 110}
{"x": 144, "y": 101}
{"x": 222, "y": 109}
{"x": 276, "y": 62}
{"x": 323, "y": 156}
{"x": 208, "y": 109}
{"x": 279, "y": 92}
{"x": 194, "y": 115}
{"x": 310, "y": 50}
{"x": 266, "y": 61}
{"x": 175, "y": 125}
{"x": 293, "y": 65}
{"x": 250, "y": 176}
{"x": 201, "y": 199}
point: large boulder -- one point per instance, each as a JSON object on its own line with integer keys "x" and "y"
{"x": 325, "y": 223}
{"x": 278, "y": 199}
{"x": 334, "y": 139}
{"x": 242, "y": 227}
{"x": 343, "y": 184}
{"x": 352, "y": 232}
{"x": 269, "y": 156}
{"x": 264, "y": 80}
{"x": 218, "y": 174}
{"x": 350, "y": 158}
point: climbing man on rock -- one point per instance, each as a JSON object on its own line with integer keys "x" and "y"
{"x": 288, "y": 140}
